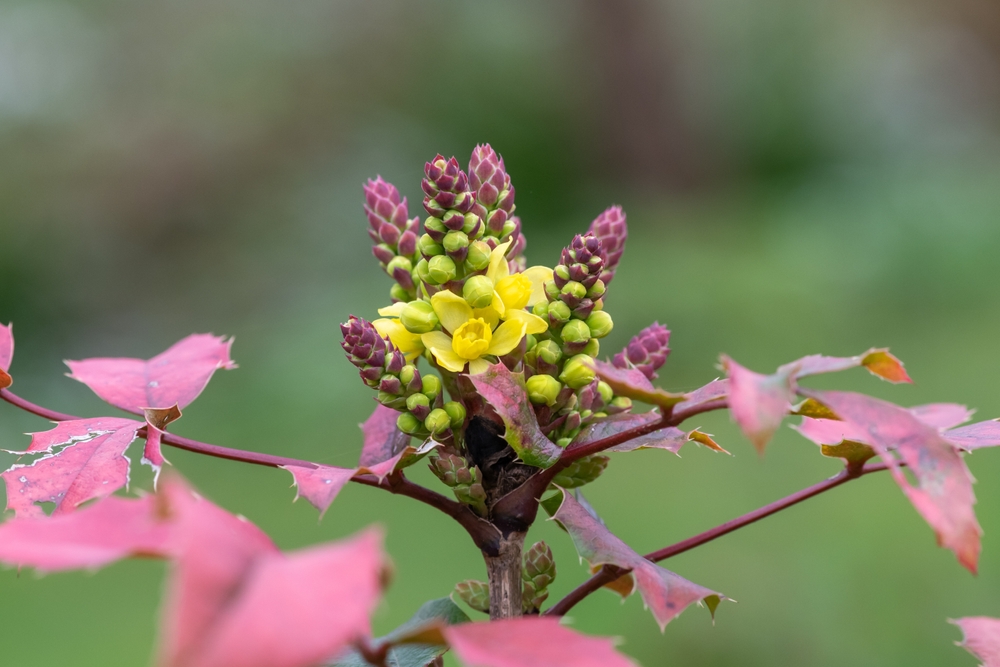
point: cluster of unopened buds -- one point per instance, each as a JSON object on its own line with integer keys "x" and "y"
{"x": 464, "y": 299}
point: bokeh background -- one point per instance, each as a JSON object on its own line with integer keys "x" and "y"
{"x": 799, "y": 175}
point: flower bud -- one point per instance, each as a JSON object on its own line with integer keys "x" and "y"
{"x": 473, "y": 225}
{"x": 438, "y": 421}
{"x": 592, "y": 348}
{"x": 575, "y": 331}
{"x": 428, "y": 247}
{"x": 611, "y": 229}
{"x": 383, "y": 253}
{"x": 558, "y": 312}
{"x": 399, "y": 293}
{"x": 441, "y": 269}
{"x": 619, "y": 404}
{"x": 407, "y": 423}
{"x": 543, "y": 389}
{"x": 479, "y": 256}
{"x": 456, "y": 413}
{"x": 597, "y": 290}
{"x": 606, "y": 392}
{"x": 409, "y": 376}
{"x": 578, "y": 371}
{"x": 647, "y": 350}
{"x": 582, "y": 471}
{"x": 552, "y": 290}
{"x": 432, "y": 386}
{"x": 541, "y": 309}
{"x": 399, "y": 262}
{"x": 455, "y": 241}
{"x": 419, "y": 405}
{"x": 435, "y": 228}
{"x": 478, "y": 291}
{"x": 419, "y": 317}
{"x": 600, "y": 324}
{"x": 476, "y": 594}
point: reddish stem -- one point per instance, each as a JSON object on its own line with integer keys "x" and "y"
{"x": 609, "y": 573}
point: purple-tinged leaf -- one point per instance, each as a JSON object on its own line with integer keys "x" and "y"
{"x": 758, "y": 403}
{"x": 404, "y": 459}
{"x": 98, "y": 534}
{"x": 6, "y": 354}
{"x": 632, "y": 383}
{"x": 506, "y": 393}
{"x": 383, "y": 440}
{"x": 666, "y": 594}
{"x": 878, "y": 361}
{"x": 944, "y": 494}
{"x": 975, "y": 436}
{"x": 981, "y": 638}
{"x": 91, "y": 465}
{"x": 320, "y": 485}
{"x": 942, "y": 415}
{"x": 713, "y": 390}
{"x": 156, "y": 421}
{"x": 174, "y": 377}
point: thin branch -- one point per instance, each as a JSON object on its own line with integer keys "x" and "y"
{"x": 607, "y": 574}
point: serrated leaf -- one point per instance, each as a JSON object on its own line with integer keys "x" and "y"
{"x": 666, "y": 594}
{"x": 6, "y": 354}
{"x": 942, "y": 415}
{"x": 975, "y": 436}
{"x": 814, "y": 409}
{"x": 92, "y": 464}
{"x": 713, "y": 390}
{"x": 95, "y": 536}
{"x": 403, "y": 459}
{"x": 878, "y": 361}
{"x": 320, "y": 485}
{"x": 505, "y": 392}
{"x": 758, "y": 403}
{"x": 668, "y": 438}
{"x": 173, "y": 377}
{"x": 631, "y": 382}
{"x": 944, "y": 494}
{"x": 981, "y": 638}
{"x": 383, "y": 440}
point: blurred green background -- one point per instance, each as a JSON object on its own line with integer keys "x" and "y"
{"x": 800, "y": 176}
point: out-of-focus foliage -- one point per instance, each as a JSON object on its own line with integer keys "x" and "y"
{"x": 799, "y": 177}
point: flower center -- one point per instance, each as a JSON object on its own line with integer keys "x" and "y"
{"x": 472, "y": 339}
{"x": 515, "y": 290}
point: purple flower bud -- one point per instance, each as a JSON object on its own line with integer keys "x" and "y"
{"x": 408, "y": 242}
{"x": 390, "y": 384}
{"x": 387, "y": 215}
{"x": 611, "y": 229}
{"x": 647, "y": 350}
{"x": 395, "y": 361}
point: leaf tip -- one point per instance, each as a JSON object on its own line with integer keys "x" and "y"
{"x": 882, "y": 363}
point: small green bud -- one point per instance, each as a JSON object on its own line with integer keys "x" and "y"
{"x": 574, "y": 289}
{"x": 543, "y": 389}
{"x": 399, "y": 293}
{"x": 558, "y": 311}
{"x": 476, "y": 594}
{"x": 471, "y": 220}
{"x": 437, "y": 421}
{"x": 592, "y": 348}
{"x": 456, "y": 412}
{"x": 417, "y": 401}
{"x": 407, "y": 374}
{"x": 578, "y": 371}
{"x": 600, "y": 323}
{"x": 548, "y": 351}
{"x": 606, "y": 392}
{"x": 564, "y": 442}
{"x": 562, "y": 271}
{"x": 421, "y": 269}
{"x": 479, "y": 256}
{"x": 449, "y": 219}
{"x": 508, "y": 228}
{"x": 529, "y": 341}
{"x": 407, "y": 423}
{"x": 575, "y": 331}
{"x": 399, "y": 262}
{"x": 541, "y": 309}
{"x": 551, "y": 290}
{"x": 454, "y": 241}
{"x": 435, "y": 225}
{"x": 621, "y": 402}
{"x": 428, "y": 247}
{"x": 441, "y": 269}
{"x": 432, "y": 386}
{"x": 478, "y": 291}
{"x": 419, "y": 317}
{"x": 597, "y": 290}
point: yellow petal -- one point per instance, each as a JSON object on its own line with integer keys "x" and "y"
{"x": 451, "y": 309}
{"x": 506, "y": 337}
{"x": 488, "y": 314}
{"x": 436, "y": 339}
{"x": 515, "y": 291}
{"x": 477, "y": 366}
{"x": 533, "y": 324}
{"x": 395, "y": 310}
{"x": 439, "y": 343}
{"x": 538, "y": 275}
{"x": 498, "y": 304}
{"x": 404, "y": 341}
{"x": 498, "y": 269}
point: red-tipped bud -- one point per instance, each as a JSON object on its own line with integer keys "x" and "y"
{"x": 647, "y": 350}
{"x": 611, "y": 228}
{"x": 489, "y": 180}
{"x": 446, "y": 187}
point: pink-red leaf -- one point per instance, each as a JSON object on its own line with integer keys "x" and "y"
{"x": 506, "y": 393}
{"x": 6, "y": 354}
{"x": 530, "y": 642}
{"x": 981, "y": 638}
{"x": 713, "y": 390}
{"x": 631, "y": 382}
{"x": 91, "y": 465}
{"x": 172, "y": 378}
{"x": 944, "y": 494}
{"x": 383, "y": 440}
{"x": 975, "y": 436}
{"x": 758, "y": 403}
{"x": 878, "y": 361}
{"x": 666, "y": 594}
{"x": 104, "y": 532}
{"x": 942, "y": 415}
{"x": 320, "y": 485}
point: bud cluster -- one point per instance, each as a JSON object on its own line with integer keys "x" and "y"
{"x": 647, "y": 350}
{"x": 474, "y": 593}
{"x": 582, "y": 471}
{"x": 611, "y": 229}
{"x": 465, "y": 482}
{"x": 489, "y": 179}
{"x": 538, "y": 573}
{"x": 394, "y": 235}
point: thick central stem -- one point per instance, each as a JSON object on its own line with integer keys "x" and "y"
{"x": 504, "y": 571}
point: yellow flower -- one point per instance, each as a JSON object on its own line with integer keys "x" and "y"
{"x": 404, "y": 341}
{"x": 512, "y": 293}
{"x": 473, "y": 334}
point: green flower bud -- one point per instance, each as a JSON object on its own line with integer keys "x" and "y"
{"x": 606, "y": 392}
{"x": 562, "y": 271}
{"x": 575, "y": 331}
{"x": 558, "y": 312}
{"x": 479, "y": 256}
{"x": 541, "y": 309}
{"x": 543, "y": 389}
{"x": 438, "y": 421}
{"x": 508, "y": 227}
{"x": 478, "y": 291}
{"x": 548, "y": 351}
{"x": 551, "y": 290}
{"x": 574, "y": 289}
{"x": 399, "y": 262}
{"x": 421, "y": 269}
{"x": 428, "y": 247}
{"x": 600, "y": 324}
{"x": 578, "y": 371}
{"x": 621, "y": 403}
{"x": 418, "y": 317}
{"x": 399, "y": 293}
{"x": 476, "y": 594}
{"x": 597, "y": 290}
{"x": 471, "y": 220}
{"x": 417, "y": 401}
{"x": 456, "y": 412}
{"x": 435, "y": 225}
{"x": 407, "y": 423}
{"x": 441, "y": 269}
{"x": 407, "y": 374}
{"x": 592, "y": 348}
{"x": 454, "y": 241}
{"x": 432, "y": 386}
{"x": 529, "y": 341}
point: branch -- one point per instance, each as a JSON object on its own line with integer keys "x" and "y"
{"x": 609, "y": 573}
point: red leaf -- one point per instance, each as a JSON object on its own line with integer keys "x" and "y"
{"x": 711, "y": 391}
{"x": 93, "y": 537}
{"x": 632, "y": 383}
{"x": 404, "y": 459}
{"x": 975, "y": 436}
{"x": 91, "y": 465}
{"x": 506, "y": 393}
{"x": 668, "y": 438}
{"x": 942, "y": 415}
{"x": 235, "y": 601}
{"x": 758, "y": 403}
{"x": 382, "y": 439}
{"x": 6, "y": 354}
{"x": 174, "y": 377}
{"x": 878, "y": 361}
{"x": 530, "y": 642}
{"x": 666, "y": 594}
{"x": 981, "y": 638}
{"x": 321, "y": 485}
{"x": 944, "y": 495}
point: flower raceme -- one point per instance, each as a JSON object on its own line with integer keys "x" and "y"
{"x": 469, "y": 336}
